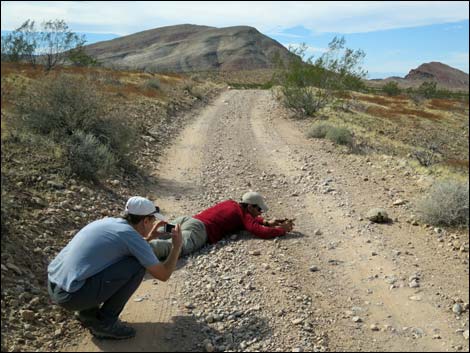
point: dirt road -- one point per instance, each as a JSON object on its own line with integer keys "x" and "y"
{"x": 339, "y": 282}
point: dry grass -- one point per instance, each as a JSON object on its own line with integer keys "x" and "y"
{"x": 397, "y": 126}
{"x": 400, "y": 113}
{"x": 130, "y": 90}
{"x": 442, "y": 104}
{"x": 458, "y": 163}
{"x": 419, "y": 113}
{"x": 380, "y": 100}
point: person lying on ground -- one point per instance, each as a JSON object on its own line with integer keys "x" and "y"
{"x": 105, "y": 262}
{"x": 226, "y": 217}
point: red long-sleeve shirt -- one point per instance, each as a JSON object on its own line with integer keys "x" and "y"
{"x": 228, "y": 217}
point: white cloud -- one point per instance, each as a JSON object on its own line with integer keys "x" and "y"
{"x": 126, "y": 17}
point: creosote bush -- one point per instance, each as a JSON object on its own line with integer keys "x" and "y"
{"x": 72, "y": 112}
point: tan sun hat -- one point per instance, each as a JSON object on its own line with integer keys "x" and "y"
{"x": 254, "y": 198}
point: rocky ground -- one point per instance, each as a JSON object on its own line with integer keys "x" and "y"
{"x": 42, "y": 209}
{"x": 339, "y": 282}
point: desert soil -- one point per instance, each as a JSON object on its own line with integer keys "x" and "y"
{"x": 338, "y": 282}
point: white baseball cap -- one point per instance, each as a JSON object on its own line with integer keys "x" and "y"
{"x": 140, "y": 206}
{"x": 254, "y": 198}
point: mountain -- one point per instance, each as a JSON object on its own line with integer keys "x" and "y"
{"x": 441, "y": 73}
{"x": 444, "y": 75}
{"x": 188, "y": 47}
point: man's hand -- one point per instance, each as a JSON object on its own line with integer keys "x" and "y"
{"x": 154, "y": 233}
{"x": 177, "y": 237}
{"x": 278, "y": 221}
{"x": 287, "y": 224}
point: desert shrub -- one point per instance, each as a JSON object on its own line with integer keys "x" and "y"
{"x": 306, "y": 101}
{"x": 340, "y": 136}
{"x": 71, "y": 111}
{"x": 60, "y": 105}
{"x": 153, "y": 83}
{"x": 391, "y": 89}
{"x": 197, "y": 92}
{"x": 335, "y": 71}
{"x": 78, "y": 57}
{"x": 445, "y": 204}
{"x": 428, "y": 89}
{"x": 88, "y": 157}
{"x": 428, "y": 156}
{"x": 319, "y": 130}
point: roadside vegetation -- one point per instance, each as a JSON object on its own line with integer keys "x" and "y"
{"x": 76, "y": 142}
{"x": 425, "y": 126}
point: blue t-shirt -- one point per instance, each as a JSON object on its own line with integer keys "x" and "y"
{"x": 95, "y": 247}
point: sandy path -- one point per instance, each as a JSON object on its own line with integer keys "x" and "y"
{"x": 240, "y": 142}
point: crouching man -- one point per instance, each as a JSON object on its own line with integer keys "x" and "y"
{"x": 103, "y": 265}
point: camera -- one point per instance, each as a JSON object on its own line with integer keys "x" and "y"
{"x": 168, "y": 227}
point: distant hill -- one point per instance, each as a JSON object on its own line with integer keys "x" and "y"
{"x": 444, "y": 75}
{"x": 184, "y": 48}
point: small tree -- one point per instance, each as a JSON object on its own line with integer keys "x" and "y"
{"x": 20, "y": 44}
{"x": 336, "y": 70}
{"x": 428, "y": 89}
{"x": 53, "y": 43}
{"x": 55, "y": 40}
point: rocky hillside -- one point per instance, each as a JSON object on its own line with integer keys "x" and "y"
{"x": 444, "y": 75}
{"x": 440, "y": 73}
{"x": 187, "y": 47}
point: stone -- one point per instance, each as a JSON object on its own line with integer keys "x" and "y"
{"x": 15, "y": 268}
{"x": 378, "y": 215}
{"x": 399, "y": 202}
{"x": 457, "y": 308}
{"x": 27, "y": 315}
{"x": 314, "y": 268}
{"x": 297, "y": 321}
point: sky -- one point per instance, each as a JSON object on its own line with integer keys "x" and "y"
{"x": 396, "y": 36}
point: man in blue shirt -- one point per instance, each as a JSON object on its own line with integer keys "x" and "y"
{"x": 103, "y": 265}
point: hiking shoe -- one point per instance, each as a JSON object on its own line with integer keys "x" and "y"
{"x": 87, "y": 317}
{"x": 117, "y": 331}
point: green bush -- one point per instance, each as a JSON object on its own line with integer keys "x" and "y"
{"x": 336, "y": 70}
{"x": 391, "y": 89}
{"x": 78, "y": 57}
{"x": 428, "y": 89}
{"x": 306, "y": 101}
{"x": 57, "y": 106}
{"x": 446, "y": 204}
{"x": 340, "y": 136}
{"x": 71, "y": 111}
{"x": 319, "y": 130}
{"x": 153, "y": 83}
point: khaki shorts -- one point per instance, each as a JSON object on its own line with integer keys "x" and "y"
{"x": 194, "y": 238}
